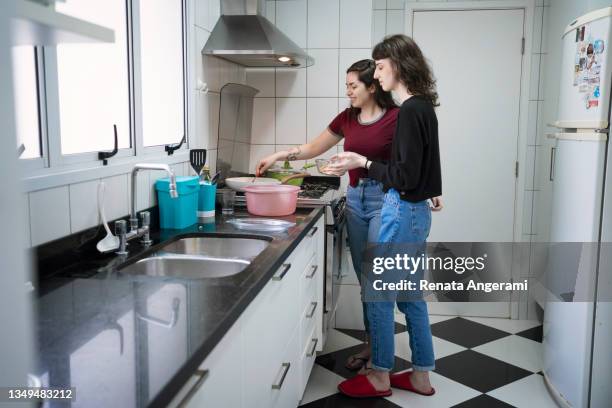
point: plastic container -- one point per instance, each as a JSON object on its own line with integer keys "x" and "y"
{"x": 273, "y": 201}
{"x": 180, "y": 212}
{"x": 206, "y": 200}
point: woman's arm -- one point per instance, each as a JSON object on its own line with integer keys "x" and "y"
{"x": 322, "y": 143}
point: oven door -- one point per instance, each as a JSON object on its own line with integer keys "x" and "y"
{"x": 334, "y": 250}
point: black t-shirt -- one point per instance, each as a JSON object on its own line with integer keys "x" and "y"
{"x": 414, "y": 167}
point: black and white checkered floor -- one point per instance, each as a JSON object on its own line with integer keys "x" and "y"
{"x": 480, "y": 362}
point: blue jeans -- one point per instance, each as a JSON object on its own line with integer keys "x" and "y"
{"x": 364, "y": 203}
{"x": 402, "y": 222}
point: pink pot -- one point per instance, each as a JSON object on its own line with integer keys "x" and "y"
{"x": 272, "y": 201}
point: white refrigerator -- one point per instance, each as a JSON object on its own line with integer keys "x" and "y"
{"x": 573, "y": 329}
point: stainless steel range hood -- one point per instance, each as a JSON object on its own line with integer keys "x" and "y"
{"x": 244, "y": 36}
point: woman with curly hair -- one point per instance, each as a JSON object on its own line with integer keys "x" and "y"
{"x": 411, "y": 179}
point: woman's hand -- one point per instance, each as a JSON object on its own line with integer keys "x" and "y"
{"x": 341, "y": 162}
{"x": 265, "y": 163}
{"x": 437, "y": 203}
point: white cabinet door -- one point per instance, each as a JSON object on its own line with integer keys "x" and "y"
{"x": 217, "y": 381}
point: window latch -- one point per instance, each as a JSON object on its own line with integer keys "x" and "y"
{"x": 171, "y": 148}
{"x": 104, "y": 156}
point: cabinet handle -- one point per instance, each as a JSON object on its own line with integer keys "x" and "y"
{"x": 314, "y": 348}
{"x": 314, "y": 270}
{"x": 282, "y": 380}
{"x": 314, "y": 231}
{"x": 281, "y": 275}
{"x": 203, "y": 374}
{"x": 312, "y": 312}
{"x": 551, "y": 173}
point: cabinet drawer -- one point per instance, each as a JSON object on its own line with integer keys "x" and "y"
{"x": 309, "y": 281}
{"x": 285, "y": 389}
{"x": 308, "y": 356}
{"x": 309, "y": 320}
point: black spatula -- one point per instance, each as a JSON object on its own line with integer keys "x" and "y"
{"x": 197, "y": 158}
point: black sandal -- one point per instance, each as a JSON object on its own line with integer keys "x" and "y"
{"x": 350, "y": 365}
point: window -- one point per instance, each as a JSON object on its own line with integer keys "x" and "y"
{"x": 93, "y": 84}
{"x": 26, "y": 101}
{"x": 162, "y": 73}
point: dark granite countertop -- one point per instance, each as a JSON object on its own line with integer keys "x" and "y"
{"x": 133, "y": 341}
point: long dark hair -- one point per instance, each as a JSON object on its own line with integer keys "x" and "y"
{"x": 410, "y": 65}
{"x": 365, "y": 73}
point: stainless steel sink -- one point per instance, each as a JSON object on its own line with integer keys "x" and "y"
{"x": 218, "y": 247}
{"x": 186, "y": 266}
{"x": 199, "y": 258}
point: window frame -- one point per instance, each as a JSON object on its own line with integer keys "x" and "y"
{"x": 149, "y": 151}
{"x": 55, "y": 168}
{"x": 36, "y": 163}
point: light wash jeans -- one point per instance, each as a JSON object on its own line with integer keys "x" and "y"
{"x": 402, "y": 222}
{"x": 364, "y": 203}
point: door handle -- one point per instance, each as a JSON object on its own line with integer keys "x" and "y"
{"x": 553, "y": 156}
{"x": 314, "y": 348}
{"x": 314, "y": 270}
{"x": 312, "y": 312}
{"x": 285, "y": 367}
{"x": 314, "y": 231}
{"x": 202, "y": 374}
{"x": 281, "y": 275}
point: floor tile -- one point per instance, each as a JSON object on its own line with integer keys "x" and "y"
{"x": 448, "y": 393}
{"x": 478, "y": 371}
{"x": 439, "y": 318}
{"x": 341, "y": 401}
{"x": 527, "y": 392}
{"x": 321, "y": 383}
{"x": 336, "y": 361}
{"x": 516, "y": 350}
{"x": 507, "y": 325}
{"x": 337, "y": 340}
{"x": 534, "y": 334}
{"x": 483, "y": 401}
{"x": 442, "y": 348}
{"x": 465, "y": 332}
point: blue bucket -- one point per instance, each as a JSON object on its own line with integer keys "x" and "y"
{"x": 180, "y": 212}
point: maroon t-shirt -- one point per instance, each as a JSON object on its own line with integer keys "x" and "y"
{"x": 372, "y": 140}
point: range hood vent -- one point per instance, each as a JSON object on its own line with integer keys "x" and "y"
{"x": 242, "y": 35}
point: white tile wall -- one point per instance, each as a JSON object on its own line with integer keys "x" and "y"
{"x": 49, "y": 214}
{"x": 264, "y": 118}
{"x": 379, "y": 26}
{"x": 323, "y": 75}
{"x": 320, "y": 112}
{"x": 83, "y": 214}
{"x": 291, "y": 20}
{"x": 323, "y": 23}
{"x": 379, "y": 4}
{"x": 290, "y": 120}
{"x": 395, "y": 22}
{"x": 262, "y": 79}
{"x": 395, "y": 4}
{"x": 291, "y": 82}
{"x": 354, "y": 16}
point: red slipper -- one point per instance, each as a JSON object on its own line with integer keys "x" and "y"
{"x": 402, "y": 381}
{"x": 360, "y": 387}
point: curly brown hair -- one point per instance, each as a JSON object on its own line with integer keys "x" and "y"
{"x": 409, "y": 64}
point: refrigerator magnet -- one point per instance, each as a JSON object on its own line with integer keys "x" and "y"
{"x": 598, "y": 46}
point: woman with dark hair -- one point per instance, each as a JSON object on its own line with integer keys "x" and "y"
{"x": 367, "y": 127}
{"x": 411, "y": 177}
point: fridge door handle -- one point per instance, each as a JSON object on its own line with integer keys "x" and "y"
{"x": 551, "y": 173}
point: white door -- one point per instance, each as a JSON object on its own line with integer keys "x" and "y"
{"x": 476, "y": 58}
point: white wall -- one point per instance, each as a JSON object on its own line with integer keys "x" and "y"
{"x": 70, "y": 207}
